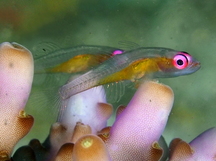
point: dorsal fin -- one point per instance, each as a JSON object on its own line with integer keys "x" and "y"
{"x": 44, "y": 48}
{"x": 128, "y": 45}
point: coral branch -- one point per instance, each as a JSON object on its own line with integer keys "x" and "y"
{"x": 201, "y": 148}
{"x": 141, "y": 123}
{"x": 16, "y": 70}
{"x": 89, "y": 148}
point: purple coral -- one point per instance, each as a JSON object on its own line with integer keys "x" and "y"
{"x": 81, "y": 133}
{"x": 134, "y": 134}
{"x": 136, "y": 131}
{"x": 16, "y": 71}
{"x": 89, "y": 108}
{"x": 202, "y": 148}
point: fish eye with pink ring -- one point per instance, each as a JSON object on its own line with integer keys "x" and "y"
{"x": 181, "y": 60}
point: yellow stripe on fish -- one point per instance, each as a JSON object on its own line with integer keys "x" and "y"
{"x": 75, "y": 59}
{"x": 133, "y": 65}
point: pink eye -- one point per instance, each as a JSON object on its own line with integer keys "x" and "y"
{"x": 181, "y": 60}
{"x": 116, "y": 52}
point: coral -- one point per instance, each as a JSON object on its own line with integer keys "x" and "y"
{"x": 81, "y": 132}
{"x": 65, "y": 152}
{"x": 78, "y": 110}
{"x": 201, "y": 148}
{"x": 134, "y": 135}
{"x": 148, "y": 112}
{"x": 16, "y": 70}
{"x": 87, "y": 146}
{"x": 89, "y": 106}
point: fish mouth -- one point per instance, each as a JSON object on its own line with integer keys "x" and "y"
{"x": 196, "y": 65}
{"x": 193, "y": 67}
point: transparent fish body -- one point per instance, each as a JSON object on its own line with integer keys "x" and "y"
{"x": 75, "y": 59}
{"x": 55, "y": 65}
{"x": 133, "y": 65}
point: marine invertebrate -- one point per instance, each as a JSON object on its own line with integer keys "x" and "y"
{"x": 87, "y": 146}
{"x": 89, "y": 107}
{"x": 201, "y": 148}
{"x": 138, "y": 138}
{"x": 84, "y": 113}
{"x": 134, "y": 134}
{"x": 81, "y": 131}
{"x": 16, "y": 70}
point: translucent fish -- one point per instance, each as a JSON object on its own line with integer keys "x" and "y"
{"x": 75, "y": 59}
{"x": 133, "y": 65}
{"x": 54, "y": 66}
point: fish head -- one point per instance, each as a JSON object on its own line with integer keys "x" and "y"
{"x": 177, "y": 64}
